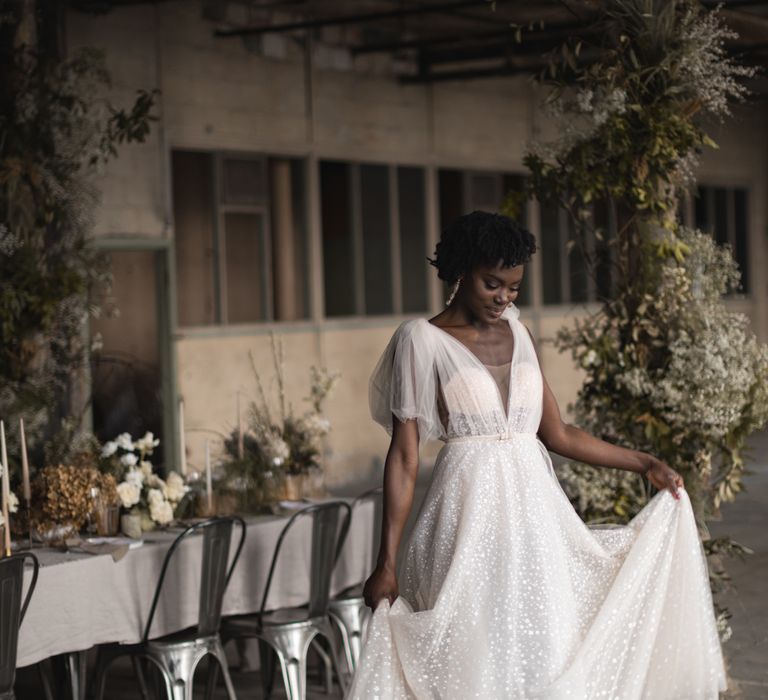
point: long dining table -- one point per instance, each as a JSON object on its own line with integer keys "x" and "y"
{"x": 82, "y": 600}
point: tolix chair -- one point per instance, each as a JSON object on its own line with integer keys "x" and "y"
{"x": 177, "y": 655}
{"x": 286, "y": 633}
{"x": 12, "y": 612}
{"x": 348, "y": 610}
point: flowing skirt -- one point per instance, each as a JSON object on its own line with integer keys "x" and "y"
{"x": 506, "y": 593}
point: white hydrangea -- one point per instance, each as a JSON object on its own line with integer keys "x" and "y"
{"x": 160, "y": 510}
{"x": 146, "y": 468}
{"x": 109, "y": 448}
{"x": 134, "y": 476}
{"x": 175, "y": 488}
{"x": 129, "y": 493}
{"x": 129, "y": 459}
{"x": 155, "y": 496}
{"x": 124, "y": 441}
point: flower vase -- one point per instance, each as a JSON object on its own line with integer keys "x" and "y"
{"x": 147, "y": 524}
{"x": 293, "y": 487}
{"x": 130, "y": 524}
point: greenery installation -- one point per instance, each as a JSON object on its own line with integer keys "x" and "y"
{"x": 669, "y": 369}
{"x": 55, "y": 132}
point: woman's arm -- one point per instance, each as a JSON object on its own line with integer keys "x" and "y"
{"x": 400, "y": 470}
{"x": 573, "y": 443}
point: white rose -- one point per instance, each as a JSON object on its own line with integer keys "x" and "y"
{"x": 134, "y": 476}
{"x": 109, "y": 449}
{"x": 146, "y": 468}
{"x": 175, "y": 488}
{"x": 129, "y": 493}
{"x": 129, "y": 460}
{"x": 124, "y": 441}
{"x": 155, "y": 496}
{"x": 161, "y": 511}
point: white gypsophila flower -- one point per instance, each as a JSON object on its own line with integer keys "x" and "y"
{"x": 134, "y": 476}
{"x": 584, "y": 100}
{"x": 124, "y": 441}
{"x": 161, "y": 511}
{"x": 129, "y": 459}
{"x": 129, "y": 493}
{"x": 317, "y": 425}
{"x": 13, "y": 502}
{"x": 275, "y": 449}
{"x": 109, "y": 449}
{"x": 175, "y": 488}
{"x": 155, "y": 496}
{"x": 146, "y": 444}
{"x": 590, "y": 359}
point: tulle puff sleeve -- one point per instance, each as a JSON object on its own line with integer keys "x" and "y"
{"x": 404, "y": 382}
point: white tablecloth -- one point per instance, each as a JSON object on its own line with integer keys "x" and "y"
{"x": 82, "y": 600}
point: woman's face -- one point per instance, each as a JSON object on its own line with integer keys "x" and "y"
{"x": 489, "y": 290}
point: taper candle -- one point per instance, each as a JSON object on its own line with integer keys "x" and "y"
{"x": 27, "y": 493}
{"x": 6, "y": 492}
{"x": 208, "y": 479}
{"x": 182, "y": 440}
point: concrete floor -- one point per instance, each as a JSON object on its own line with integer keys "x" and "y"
{"x": 746, "y": 653}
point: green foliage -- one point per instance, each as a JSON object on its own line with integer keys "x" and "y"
{"x": 669, "y": 370}
{"x": 54, "y": 135}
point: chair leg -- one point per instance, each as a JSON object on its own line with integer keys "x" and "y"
{"x": 221, "y": 658}
{"x": 213, "y": 676}
{"x": 291, "y": 646}
{"x": 268, "y": 657}
{"x": 327, "y": 664}
{"x": 325, "y": 630}
{"x": 76, "y": 665}
{"x": 45, "y": 678}
{"x": 138, "y": 669}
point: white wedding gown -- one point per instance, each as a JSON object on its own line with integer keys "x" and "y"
{"x": 504, "y": 591}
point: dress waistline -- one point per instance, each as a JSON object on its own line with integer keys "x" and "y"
{"x": 501, "y": 437}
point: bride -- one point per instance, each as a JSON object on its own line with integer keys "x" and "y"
{"x": 503, "y": 591}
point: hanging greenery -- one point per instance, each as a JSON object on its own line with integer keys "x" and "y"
{"x": 668, "y": 368}
{"x": 56, "y": 132}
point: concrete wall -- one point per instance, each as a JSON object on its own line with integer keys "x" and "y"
{"x": 217, "y": 95}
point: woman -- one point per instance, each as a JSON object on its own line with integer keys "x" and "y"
{"x": 504, "y": 592}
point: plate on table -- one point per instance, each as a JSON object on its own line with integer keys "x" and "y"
{"x": 132, "y": 544}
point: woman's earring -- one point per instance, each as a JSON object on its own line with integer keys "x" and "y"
{"x": 455, "y": 289}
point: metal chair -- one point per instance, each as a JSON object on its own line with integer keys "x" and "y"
{"x": 348, "y": 610}
{"x": 176, "y": 656}
{"x": 12, "y": 612}
{"x": 288, "y": 632}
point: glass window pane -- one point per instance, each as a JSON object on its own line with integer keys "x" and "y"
{"x": 483, "y": 192}
{"x": 721, "y": 215}
{"x": 245, "y": 269}
{"x": 701, "y": 209}
{"x": 377, "y": 264}
{"x": 413, "y": 241}
{"x": 193, "y": 215}
{"x": 243, "y": 181}
{"x": 289, "y": 240}
{"x": 551, "y": 254}
{"x": 740, "y": 204}
{"x": 338, "y": 255}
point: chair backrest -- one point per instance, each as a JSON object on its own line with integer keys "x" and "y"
{"x": 330, "y": 523}
{"x": 214, "y": 574}
{"x": 12, "y": 611}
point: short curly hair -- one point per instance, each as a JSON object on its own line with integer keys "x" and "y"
{"x": 481, "y": 239}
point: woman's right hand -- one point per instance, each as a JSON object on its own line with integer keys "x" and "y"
{"x": 381, "y": 584}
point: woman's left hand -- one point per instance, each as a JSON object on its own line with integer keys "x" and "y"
{"x": 662, "y": 476}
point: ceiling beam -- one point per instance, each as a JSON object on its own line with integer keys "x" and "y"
{"x": 354, "y": 19}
